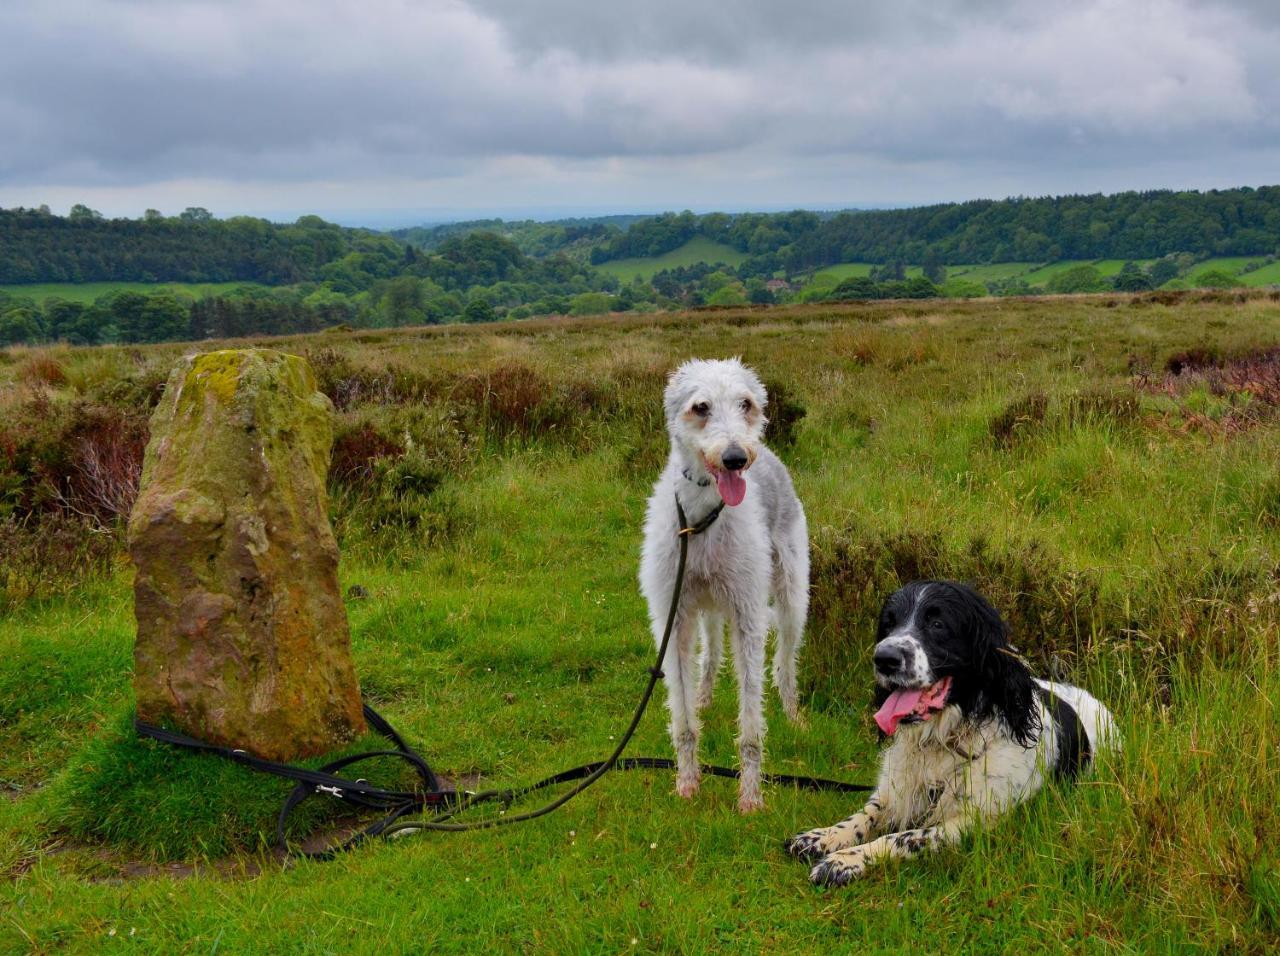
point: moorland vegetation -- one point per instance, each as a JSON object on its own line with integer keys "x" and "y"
{"x": 1102, "y": 466}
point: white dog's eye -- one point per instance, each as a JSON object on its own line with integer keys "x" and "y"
{"x": 701, "y": 408}
{"x": 746, "y": 404}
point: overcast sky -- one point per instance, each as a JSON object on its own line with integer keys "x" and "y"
{"x": 387, "y": 111}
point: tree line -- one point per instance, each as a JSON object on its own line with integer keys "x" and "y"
{"x": 37, "y": 246}
{"x": 1131, "y": 225}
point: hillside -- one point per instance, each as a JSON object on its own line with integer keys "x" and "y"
{"x": 1125, "y": 226}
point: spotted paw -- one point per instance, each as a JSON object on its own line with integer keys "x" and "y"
{"x": 805, "y": 846}
{"x": 837, "y": 870}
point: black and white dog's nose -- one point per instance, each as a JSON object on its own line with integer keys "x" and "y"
{"x": 734, "y": 458}
{"x": 890, "y": 660}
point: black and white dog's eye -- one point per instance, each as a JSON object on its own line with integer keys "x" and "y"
{"x": 701, "y": 408}
{"x": 937, "y": 624}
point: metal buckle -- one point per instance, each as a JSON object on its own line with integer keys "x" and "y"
{"x": 331, "y": 791}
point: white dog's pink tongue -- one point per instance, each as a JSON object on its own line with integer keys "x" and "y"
{"x": 901, "y": 702}
{"x": 732, "y": 487}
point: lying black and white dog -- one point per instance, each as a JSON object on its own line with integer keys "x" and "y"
{"x": 973, "y": 733}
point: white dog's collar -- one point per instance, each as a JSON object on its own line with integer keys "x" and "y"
{"x": 701, "y": 483}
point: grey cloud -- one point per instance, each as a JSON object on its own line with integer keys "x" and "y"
{"x": 116, "y": 93}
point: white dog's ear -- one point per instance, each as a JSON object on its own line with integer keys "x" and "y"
{"x": 754, "y": 385}
{"x": 679, "y": 391}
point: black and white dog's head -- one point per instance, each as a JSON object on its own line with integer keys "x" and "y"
{"x": 940, "y": 644}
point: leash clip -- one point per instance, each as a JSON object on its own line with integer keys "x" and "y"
{"x": 331, "y": 791}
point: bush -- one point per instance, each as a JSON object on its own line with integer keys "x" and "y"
{"x": 784, "y": 413}
{"x": 591, "y": 303}
{"x": 1077, "y": 279}
{"x": 1216, "y": 279}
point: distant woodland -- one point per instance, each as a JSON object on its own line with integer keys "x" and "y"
{"x": 312, "y": 274}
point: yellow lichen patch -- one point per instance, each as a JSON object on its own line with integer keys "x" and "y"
{"x": 217, "y": 372}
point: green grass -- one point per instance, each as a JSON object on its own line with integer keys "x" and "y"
{"x": 88, "y": 291}
{"x": 834, "y": 275}
{"x": 991, "y": 272}
{"x": 1141, "y": 526}
{"x": 1267, "y": 275}
{"x": 1038, "y": 275}
{"x": 696, "y": 250}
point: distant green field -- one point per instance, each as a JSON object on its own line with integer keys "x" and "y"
{"x": 88, "y": 291}
{"x": 696, "y": 250}
{"x": 991, "y": 272}
{"x": 1267, "y": 275}
{"x": 832, "y": 275}
{"x": 1038, "y": 275}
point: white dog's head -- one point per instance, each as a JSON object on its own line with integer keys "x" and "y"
{"x": 715, "y": 414}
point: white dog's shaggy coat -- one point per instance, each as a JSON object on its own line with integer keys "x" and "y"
{"x": 756, "y": 550}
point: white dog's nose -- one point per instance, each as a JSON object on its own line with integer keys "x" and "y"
{"x": 734, "y": 458}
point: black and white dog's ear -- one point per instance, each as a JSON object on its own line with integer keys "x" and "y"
{"x": 1005, "y": 679}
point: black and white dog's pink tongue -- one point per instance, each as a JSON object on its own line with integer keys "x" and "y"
{"x": 901, "y": 702}
{"x": 732, "y": 487}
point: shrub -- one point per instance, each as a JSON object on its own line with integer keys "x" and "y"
{"x": 357, "y": 450}
{"x": 1216, "y": 279}
{"x": 784, "y": 412}
{"x": 1021, "y": 415}
{"x": 42, "y": 369}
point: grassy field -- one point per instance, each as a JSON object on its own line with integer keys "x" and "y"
{"x": 696, "y": 250}
{"x": 1036, "y": 274}
{"x": 1125, "y": 518}
{"x": 88, "y": 291}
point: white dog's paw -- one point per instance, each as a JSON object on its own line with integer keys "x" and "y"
{"x": 687, "y": 784}
{"x": 749, "y": 801}
{"x": 839, "y": 868}
{"x": 807, "y": 845}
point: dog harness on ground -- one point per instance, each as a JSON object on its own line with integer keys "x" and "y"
{"x": 1074, "y": 751}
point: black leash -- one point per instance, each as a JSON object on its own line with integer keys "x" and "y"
{"x": 442, "y": 805}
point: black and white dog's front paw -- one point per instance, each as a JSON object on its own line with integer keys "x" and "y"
{"x": 839, "y": 869}
{"x": 807, "y": 845}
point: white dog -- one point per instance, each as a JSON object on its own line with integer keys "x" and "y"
{"x": 755, "y": 549}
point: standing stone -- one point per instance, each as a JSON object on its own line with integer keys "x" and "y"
{"x": 242, "y": 636}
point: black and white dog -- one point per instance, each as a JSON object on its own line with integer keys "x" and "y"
{"x": 973, "y": 733}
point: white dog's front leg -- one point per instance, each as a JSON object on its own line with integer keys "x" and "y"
{"x": 845, "y": 866}
{"x": 748, "y": 664}
{"x": 817, "y": 843}
{"x": 678, "y": 672}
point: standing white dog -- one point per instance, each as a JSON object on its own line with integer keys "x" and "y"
{"x": 757, "y": 548}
